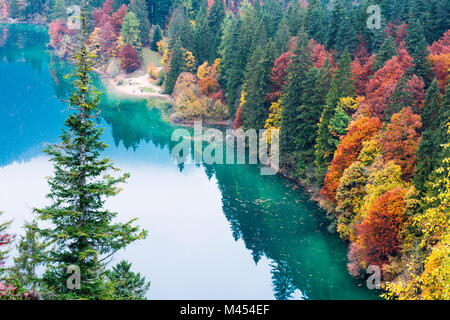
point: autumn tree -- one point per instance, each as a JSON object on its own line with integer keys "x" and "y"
{"x": 401, "y": 140}
{"x": 347, "y": 152}
{"x": 378, "y": 234}
{"x": 130, "y": 60}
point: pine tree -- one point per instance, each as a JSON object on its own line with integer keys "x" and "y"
{"x": 387, "y": 51}
{"x": 342, "y": 83}
{"x": 139, "y": 8}
{"x": 292, "y": 95}
{"x": 58, "y": 11}
{"x": 31, "y": 254}
{"x": 435, "y": 115}
{"x": 258, "y": 82}
{"x": 417, "y": 48}
{"x": 215, "y": 20}
{"x": 314, "y": 23}
{"x": 157, "y": 36}
{"x": 177, "y": 66}
{"x": 128, "y": 285}
{"x": 79, "y": 230}
{"x": 272, "y": 14}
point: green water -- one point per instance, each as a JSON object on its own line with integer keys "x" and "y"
{"x": 216, "y": 232}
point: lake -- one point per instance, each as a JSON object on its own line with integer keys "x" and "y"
{"x": 215, "y": 231}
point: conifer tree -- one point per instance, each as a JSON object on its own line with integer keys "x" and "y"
{"x": 31, "y": 254}
{"x": 127, "y": 284}
{"x": 258, "y": 82}
{"x": 79, "y": 230}
{"x": 435, "y": 114}
{"x": 177, "y": 66}
{"x": 293, "y": 93}
{"x": 139, "y": 8}
{"x": 417, "y": 48}
{"x": 342, "y": 83}
{"x": 387, "y": 51}
{"x": 215, "y": 20}
{"x": 157, "y": 36}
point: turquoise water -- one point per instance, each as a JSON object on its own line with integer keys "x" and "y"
{"x": 216, "y": 232}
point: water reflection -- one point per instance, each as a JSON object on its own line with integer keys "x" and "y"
{"x": 216, "y": 231}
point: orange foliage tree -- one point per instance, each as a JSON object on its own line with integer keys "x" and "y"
{"x": 440, "y": 59}
{"x": 347, "y": 152}
{"x": 401, "y": 140}
{"x": 378, "y": 234}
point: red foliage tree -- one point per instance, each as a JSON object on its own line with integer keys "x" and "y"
{"x": 361, "y": 51}
{"x": 129, "y": 59}
{"x": 319, "y": 53}
{"x": 278, "y": 75}
{"x": 108, "y": 38}
{"x": 57, "y": 30}
{"x": 416, "y": 92}
{"x": 117, "y": 18}
{"x": 347, "y": 152}
{"x": 401, "y": 140}
{"x": 238, "y": 120}
{"x": 361, "y": 73}
{"x": 378, "y": 234}
{"x": 440, "y": 59}
{"x": 208, "y": 85}
{"x": 380, "y": 88}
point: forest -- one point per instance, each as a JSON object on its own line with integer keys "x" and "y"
{"x": 363, "y": 113}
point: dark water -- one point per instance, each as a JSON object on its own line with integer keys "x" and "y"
{"x": 216, "y": 232}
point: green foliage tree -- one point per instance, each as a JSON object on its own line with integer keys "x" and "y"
{"x": 127, "y": 284}
{"x": 177, "y": 66}
{"x": 417, "y": 48}
{"x": 139, "y": 8}
{"x": 157, "y": 36}
{"x": 387, "y": 51}
{"x": 130, "y": 30}
{"x": 78, "y": 229}
{"x": 31, "y": 254}
{"x": 293, "y": 94}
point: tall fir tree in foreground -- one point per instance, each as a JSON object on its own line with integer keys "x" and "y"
{"x": 79, "y": 230}
{"x": 176, "y": 67}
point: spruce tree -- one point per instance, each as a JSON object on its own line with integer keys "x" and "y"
{"x": 342, "y": 83}
{"x": 157, "y": 36}
{"x": 127, "y": 284}
{"x": 130, "y": 30}
{"x": 435, "y": 115}
{"x": 258, "y": 83}
{"x": 139, "y": 8}
{"x": 293, "y": 94}
{"x": 387, "y": 51}
{"x": 79, "y": 230}
{"x": 215, "y": 20}
{"x": 31, "y": 254}
{"x": 417, "y": 48}
{"x": 177, "y": 66}
{"x": 314, "y": 21}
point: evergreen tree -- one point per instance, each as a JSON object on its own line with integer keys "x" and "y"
{"x": 292, "y": 95}
{"x": 314, "y": 21}
{"x": 139, "y": 8}
{"x": 282, "y": 38}
{"x": 417, "y": 48}
{"x": 157, "y": 36}
{"x": 387, "y": 51}
{"x": 435, "y": 115}
{"x": 58, "y": 11}
{"x": 202, "y": 37}
{"x": 258, "y": 83}
{"x": 5, "y": 239}
{"x": 128, "y": 285}
{"x": 31, "y": 254}
{"x": 342, "y": 83}
{"x": 272, "y": 14}
{"x": 334, "y": 21}
{"x": 177, "y": 66}
{"x": 79, "y": 230}
{"x": 215, "y": 20}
